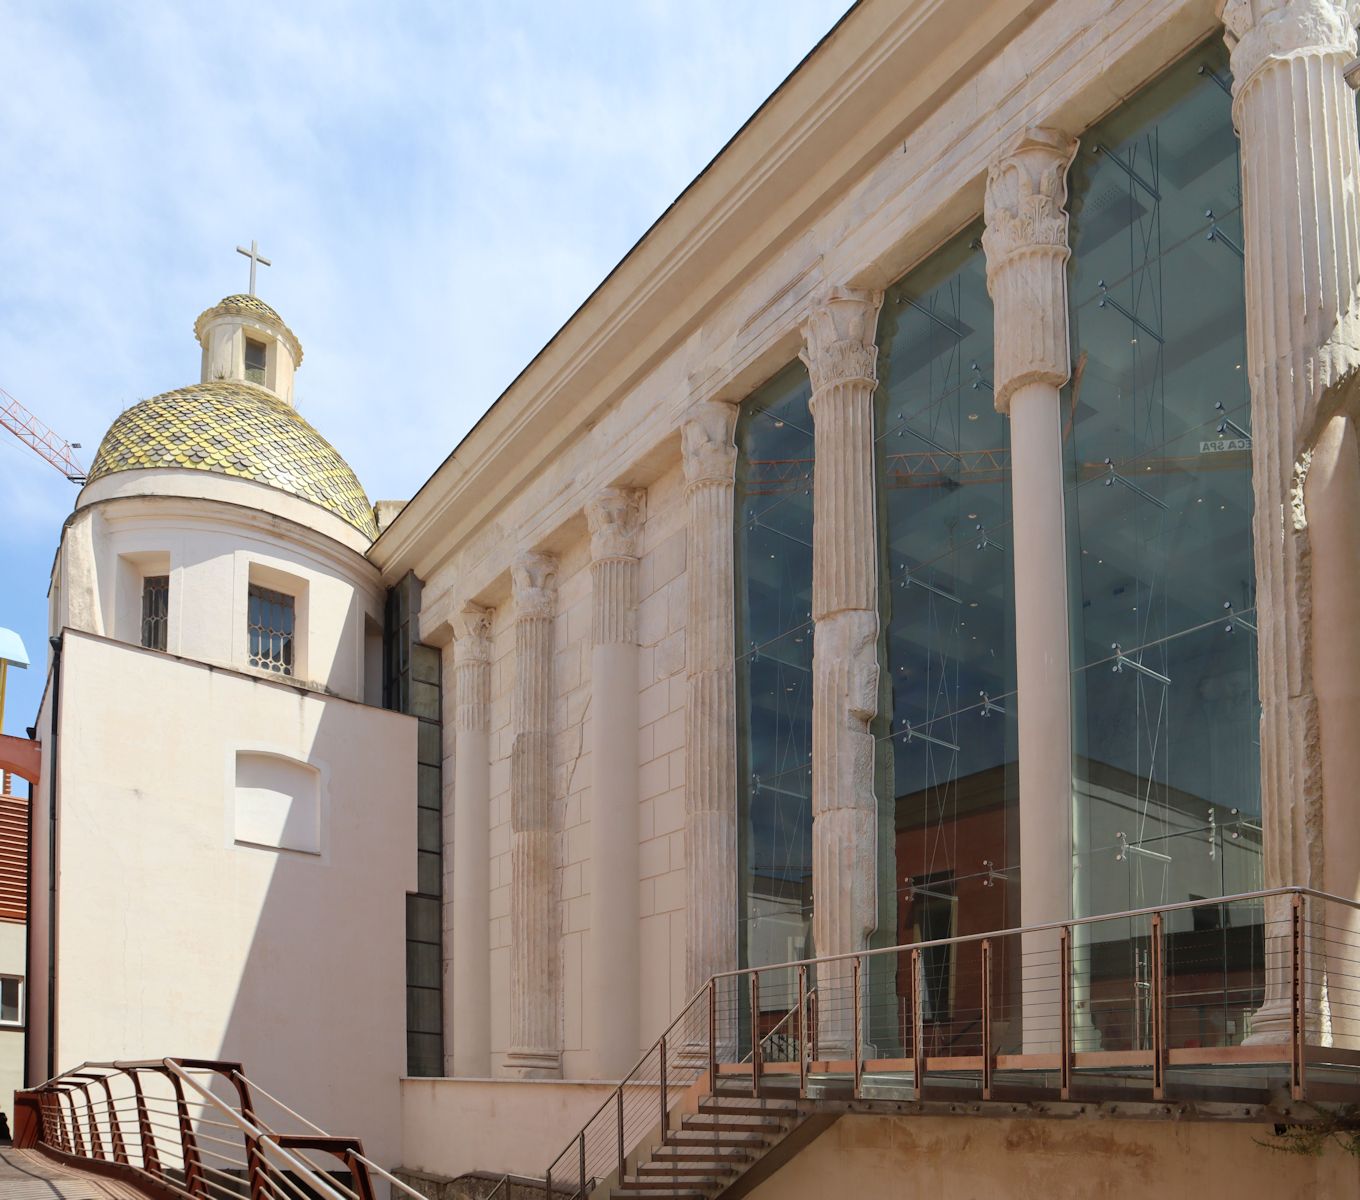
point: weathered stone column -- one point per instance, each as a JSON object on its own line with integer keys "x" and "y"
{"x": 1296, "y": 119}
{"x": 467, "y": 847}
{"x": 535, "y": 1050}
{"x": 1027, "y": 252}
{"x": 611, "y": 981}
{"x": 710, "y": 458}
{"x": 840, "y": 355}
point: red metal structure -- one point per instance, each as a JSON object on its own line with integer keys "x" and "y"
{"x": 39, "y": 438}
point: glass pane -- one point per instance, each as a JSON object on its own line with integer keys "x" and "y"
{"x": 947, "y": 762}
{"x": 1158, "y": 446}
{"x": 9, "y": 1000}
{"x": 774, "y": 668}
{"x": 270, "y": 630}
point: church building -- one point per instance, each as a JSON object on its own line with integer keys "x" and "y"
{"x": 883, "y": 677}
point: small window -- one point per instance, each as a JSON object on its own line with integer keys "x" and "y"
{"x": 271, "y": 630}
{"x": 155, "y": 610}
{"x": 11, "y": 1000}
{"x": 255, "y": 359}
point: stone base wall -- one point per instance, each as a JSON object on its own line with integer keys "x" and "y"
{"x": 972, "y": 1158}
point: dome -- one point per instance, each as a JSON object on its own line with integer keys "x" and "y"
{"x": 238, "y": 429}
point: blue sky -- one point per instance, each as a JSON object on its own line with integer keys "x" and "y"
{"x": 439, "y": 186}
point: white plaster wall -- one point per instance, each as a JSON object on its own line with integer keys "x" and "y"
{"x": 175, "y": 940}
{"x": 212, "y": 551}
{"x": 12, "y": 949}
{"x": 451, "y": 1126}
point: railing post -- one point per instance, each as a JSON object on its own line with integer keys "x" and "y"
{"x": 813, "y": 1021}
{"x": 581, "y": 1155}
{"x": 79, "y": 1142}
{"x": 854, "y": 1024}
{"x": 665, "y": 1106}
{"x": 1157, "y": 967}
{"x": 623, "y": 1161}
{"x": 96, "y": 1142}
{"x": 713, "y": 1035}
{"x": 918, "y": 1025}
{"x": 115, "y": 1130}
{"x": 1297, "y": 1008}
{"x": 988, "y": 1052}
{"x": 802, "y": 1032}
{"x": 1065, "y": 1016}
{"x": 755, "y": 1033}
{"x": 547, "y": 1183}
{"x": 151, "y": 1161}
{"x": 193, "y": 1165}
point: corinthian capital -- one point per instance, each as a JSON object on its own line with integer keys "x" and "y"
{"x": 1026, "y": 197}
{"x": 534, "y": 577}
{"x": 838, "y": 337}
{"x": 615, "y": 519}
{"x": 472, "y": 634}
{"x": 1260, "y": 30}
{"x": 1026, "y": 247}
{"x": 709, "y": 453}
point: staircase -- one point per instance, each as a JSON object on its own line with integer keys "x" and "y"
{"x": 716, "y": 1146}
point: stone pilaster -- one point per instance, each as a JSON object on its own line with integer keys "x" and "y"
{"x": 1027, "y": 252}
{"x": 468, "y": 857}
{"x": 535, "y": 1050}
{"x": 840, "y": 355}
{"x": 1295, "y": 116}
{"x": 612, "y": 981}
{"x": 710, "y": 458}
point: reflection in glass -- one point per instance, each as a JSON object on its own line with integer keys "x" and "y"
{"x": 1158, "y": 450}
{"x": 774, "y": 668}
{"x": 948, "y": 612}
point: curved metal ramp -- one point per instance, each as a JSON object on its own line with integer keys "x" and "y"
{"x": 32, "y": 1175}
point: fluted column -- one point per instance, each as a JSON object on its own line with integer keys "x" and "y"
{"x": 535, "y": 1050}
{"x": 710, "y": 457}
{"x": 1295, "y": 116}
{"x": 840, "y": 355}
{"x": 1027, "y": 252}
{"x": 611, "y": 979}
{"x": 467, "y": 847}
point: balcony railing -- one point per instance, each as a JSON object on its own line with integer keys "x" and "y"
{"x": 1244, "y": 998}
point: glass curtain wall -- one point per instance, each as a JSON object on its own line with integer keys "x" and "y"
{"x": 947, "y": 748}
{"x": 774, "y": 669}
{"x": 1157, "y": 439}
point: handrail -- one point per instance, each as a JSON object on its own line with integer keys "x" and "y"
{"x": 586, "y": 1181}
{"x": 189, "y": 1153}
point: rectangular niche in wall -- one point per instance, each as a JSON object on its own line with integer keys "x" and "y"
{"x": 277, "y": 803}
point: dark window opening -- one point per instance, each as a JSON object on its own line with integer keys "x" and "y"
{"x": 271, "y": 630}
{"x": 155, "y": 610}
{"x": 255, "y": 360}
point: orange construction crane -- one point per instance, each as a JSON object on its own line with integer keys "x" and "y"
{"x": 41, "y": 440}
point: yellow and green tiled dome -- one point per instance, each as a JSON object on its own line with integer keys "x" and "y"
{"x": 241, "y": 430}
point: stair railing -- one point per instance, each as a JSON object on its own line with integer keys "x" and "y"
{"x": 191, "y": 1128}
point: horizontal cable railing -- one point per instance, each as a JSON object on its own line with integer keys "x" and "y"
{"x": 201, "y": 1130}
{"x": 1267, "y": 981}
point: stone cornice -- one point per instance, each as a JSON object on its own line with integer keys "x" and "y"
{"x": 838, "y": 337}
{"x": 614, "y": 516}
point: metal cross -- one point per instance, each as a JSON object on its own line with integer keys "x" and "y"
{"x": 255, "y": 257}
